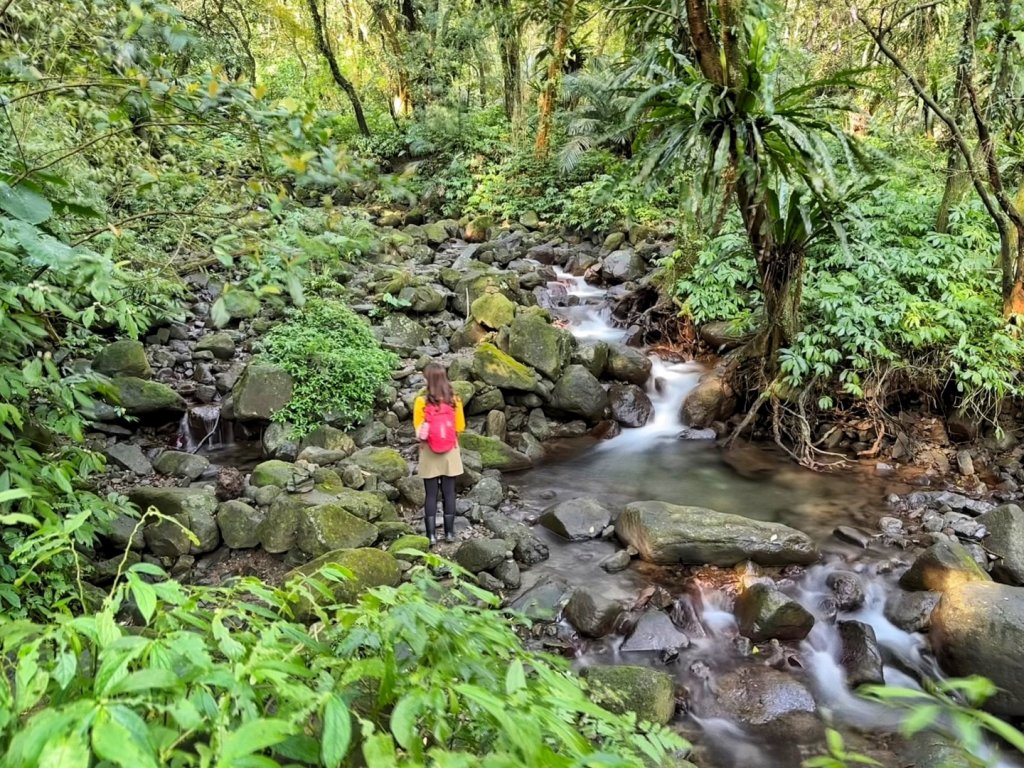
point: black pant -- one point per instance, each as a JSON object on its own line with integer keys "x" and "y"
{"x": 447, "y": 486}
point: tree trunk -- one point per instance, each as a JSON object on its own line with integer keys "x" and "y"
{"x": 394, "y": 44}
{"x": 546, "y": 103}
{"x": 510, "y": 44}
{"x": 332, "y": 62}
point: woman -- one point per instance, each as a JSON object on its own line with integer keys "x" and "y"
{"x": 438, "y": 410}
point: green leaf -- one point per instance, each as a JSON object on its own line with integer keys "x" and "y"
{"x": 25, "y": 202}
{"x": 404, "y": 722}
{"x": 145, "y": 596}
{"x": 113, "y": 741}
{"x": 253, "y": 736}
{"x": 920, "y": 718}
{"x": 337, "y": 732}
{"x": 66, "y": 752}
{"x": 219, "y": 313}
{"x": 515, "y": 678}
{"x": 145, "y": 680}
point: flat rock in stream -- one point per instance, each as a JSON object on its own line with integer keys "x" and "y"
{"x": 666, "y": 533}
{"x": 577, "y": 519}
{"x": 768, "y": 702}
{"x": 655, "y": 631}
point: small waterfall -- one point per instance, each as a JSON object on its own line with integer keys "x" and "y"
{"x": 202, "y": 427}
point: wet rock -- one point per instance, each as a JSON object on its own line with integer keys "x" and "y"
{"x": 327, "y": 527}
{"x": 181, "y": 464}
{"x": 484, "y": 402}
{"x": 273, "y": 472}
{"x": 578, "y": 392}
{"x": 577, "y": 519}
{"x": 911, "y": 611}
{"x": 130, "y": 457}
{"x": 666, "y": 533}
{"x": 494, "y": 367}
{"x": 143, "y": 398}
{"x": 978, "y": 629}
{"x": 508, "y": 572}
{"x": 497, "y": 425}
{"x": 402, "y": 334}
{"x": 764, "y": 613}
{"x": 630, "y": 405}
{"x": 239, "y": 524}
{"x": 853, "y": 535}
{"x": 329, "y": 438}
{"x": 617, "y": 562}
{"x": 477, "y": 555}
{"x": 123, "y": 358}
{"x": 494, "y": 454}
{"x": 848, "y": 590}
{"x": 476, "y": 229}
{"x": 230, "y": 483}
{"x": 646, "y": 692}
{"x": 768, "y": 702}
{"x": 385, "y": 463}
{"x": 527, "y": 548}
{"x": 490, "y": 583}
{"x": 124, "y": 533}
{"x": 369, "y": 568}
{"x": 1005, "y": 540}
{"x": 220, "y": 344}
{"x": 543, "y": 601}
{"x": 260, "y": 392}
{"x": 487, "y": 492}
{"x": 193, "y": 508}
{"x": 891, "y": 526}
{"x": 928, "y": 749}
{"x": 592, "y": 614}
{"x": 622, "y": 266}
{"x": 470, "y": 287}
{"x": 628, "y": 364}
{"x": 493, "y": 310}
{"x": 409, "y": 542}
{"x": 710, "y": 401}
{"x": 965, "y": 463}
{"x": 943, "y": 565}
{"x": 592, "y": 355}
{"x": 238, "y": 305}
{"x": 723, "y": 335}
{"x": 532, "y": 340}
{"x": 654, "y": 631}
{"x": 860, "y": 655}
{"x": 278, "y": 442}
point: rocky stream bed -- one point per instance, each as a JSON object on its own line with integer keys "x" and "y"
{"x": 732, "y": 594}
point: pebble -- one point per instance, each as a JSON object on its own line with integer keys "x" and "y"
{"x": 892, "y": 526}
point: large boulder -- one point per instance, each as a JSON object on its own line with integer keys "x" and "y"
{"x": 123, "y": 358}
{"x": 978, "y": 629}
{"x": 221, "y": 345}
{"x": 579, "y": 392}
{"x": 494, "y": 454}
{"x": 710, "y": 401}
{"x": 368, "y": 567}
{"x": 275, "y": 472}
{"x": 494, "y": 367}
{"x": 592, "y": 614}
{"x": 526, "y": 547}
{"x": 623, "y": 266}
{"x": 945, "y": 564}
{"x": 362, "y": 504}
{"x": 260, "y": 392}
{"x": 473, "y": 285}
{"x": 767, "y": 702}
{"x": 534, "y": 341}
{"x": 592, "y": 355}
{"x": 385, "y": 463}
{"x": 139, "y": 397}
{"x": 646, "y": 692}
{"x": 476, "y": 555}
{"x": 577, "y": 519}
{"x": 181, "y": 464}
{"x": 631, "y": 406}
{"x": 628, "y": 364}
{"x": 860, "y": 655}
{"x": 403, "y": 334}
{"x": 424, "y": 299}
{"x": 1005, "y": 525}
{"x": 193, "y": 508}
{"x": 911, "y": 611}
{"x": 654, "y": 631}
{"x": 277, "y": 531}
{"x": 723, "y": 335}
{"x": 764, "y": 613}
{"x": 238, "y": 305}
{"x": 131, "y": 457}
{"x": 328, "y": 527}
{"x": 666, "y": 533}
{"x": 541, "y": 602}
{"x": 493, "y": 310}
{"x": 239, "y": 524}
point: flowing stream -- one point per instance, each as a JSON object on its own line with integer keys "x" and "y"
{"x": 652, "y": 462}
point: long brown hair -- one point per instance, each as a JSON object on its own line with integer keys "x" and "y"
{"x": 439, "y": 390}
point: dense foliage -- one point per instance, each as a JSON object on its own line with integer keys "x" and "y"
{"x": 337, "y": 365}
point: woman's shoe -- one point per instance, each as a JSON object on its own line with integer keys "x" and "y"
{"x": 432, "y": 540}
{"x": 449, "y": 537}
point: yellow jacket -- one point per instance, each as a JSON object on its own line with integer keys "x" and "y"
{"x": 421, "y": 404}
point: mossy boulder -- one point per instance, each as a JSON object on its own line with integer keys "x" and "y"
{"x": 424, "y": 298}
{"x": 494, "y": 367}
{"x": 275, "y": 472}
{"x": 418, "y": 543}
{"x": 578, "y": 392}
{"x": 181, "y": 464}
{"x": 764, "y": 613}
{"x": 193, "y": 508}
{"x": 493, "y": 310}
{"x": 143, "y": 398}
{"x": 648, "y": 693}
{"x": 220, "y": 344}
{"x": 238, "y": 305}
{"x": 476, "y": 555}
{"x": 277, "y": 531}
{"x": 469, "y": 287}
{"x": 534, "y": 341}
{"x": 476, "y": 229}
{"x": 328, "y": 527}
{"x": 628, "y": 364}
{"x": 402, "y": 334}
{"x": 239, "y": 524}
{"x": 369, "y": 568}
{"x": 123, "y": 358}
{"x": 261, "y": 391}
{"x": 494, "y": 454}
{"x": 435, "y": 233}
{"x": 385, "y": 463}
{"x": 330, "y": 439}
{"x": 362, "y": 504}
{"x": 945, "y": 564}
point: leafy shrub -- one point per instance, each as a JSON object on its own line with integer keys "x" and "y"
{"x": 226, "y": 676}
{"x": 336, "y": 363}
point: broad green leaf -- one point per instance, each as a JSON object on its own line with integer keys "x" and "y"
{"x": 337, "y": 732}
{"x": 65, "y": 752}
{"x": 25, "y": 202}
{"x": 515, "y": 678}
{"x": 251, "y": 737}
{"x": 145, "y": 680}
{"x": 113, "y": 741}
{"x": 403, "y": 722}
{"x": 145, "y": 596}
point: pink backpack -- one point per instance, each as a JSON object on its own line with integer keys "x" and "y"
{"x": 439, "y": 427}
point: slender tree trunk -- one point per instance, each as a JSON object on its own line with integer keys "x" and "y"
{"x": 546, "y": 103}
{"x": 394, "y": 44}
{"x": 332, "y": 62}
{"x": 509, "y": 33}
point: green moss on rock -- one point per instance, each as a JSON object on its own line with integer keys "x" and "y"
{"x": 494, "y": 367}
{"x": 494, "y": 454}
{"x": 648, "y": 693}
